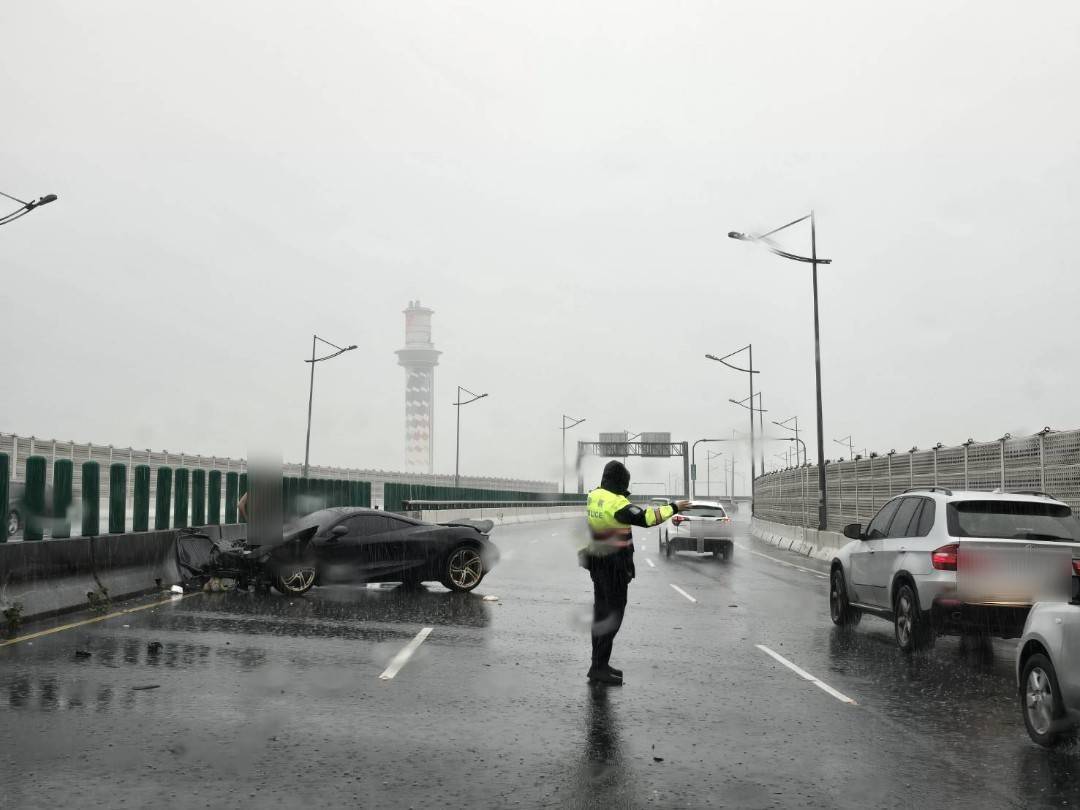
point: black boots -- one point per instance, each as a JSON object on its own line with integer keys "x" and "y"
{"x": 605, "y": 675}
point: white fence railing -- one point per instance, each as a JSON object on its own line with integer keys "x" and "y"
{"x": 1048, "y": 462}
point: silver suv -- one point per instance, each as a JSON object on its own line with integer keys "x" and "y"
{"x": 704, "y": 527}
{"x": 935, "y": 562}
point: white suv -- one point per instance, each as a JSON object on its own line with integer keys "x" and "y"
{"x": 934, "y": 561}
{"x": 704, "y": 527}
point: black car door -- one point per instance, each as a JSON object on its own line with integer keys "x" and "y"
{"x": 407, "y": 545}
{"x": 358, "y": 554}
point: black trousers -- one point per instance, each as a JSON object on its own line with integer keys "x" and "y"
{"x": 611, "y": 579}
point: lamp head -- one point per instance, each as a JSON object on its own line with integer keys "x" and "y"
{"x": 737, "y": 235}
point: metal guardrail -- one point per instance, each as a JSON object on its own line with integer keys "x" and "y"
{"x": 1048, "y": 461}
{"x": 18, "y": 448}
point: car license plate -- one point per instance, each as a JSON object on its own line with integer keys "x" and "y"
{"x": 1013, "y": 572}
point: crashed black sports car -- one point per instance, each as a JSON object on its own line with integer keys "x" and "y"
{"x": 348, "y": 545}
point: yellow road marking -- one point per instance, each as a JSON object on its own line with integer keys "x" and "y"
{"x": 73, "y": 625}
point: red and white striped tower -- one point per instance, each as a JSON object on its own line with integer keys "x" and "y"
{"x": 419, "y": 357}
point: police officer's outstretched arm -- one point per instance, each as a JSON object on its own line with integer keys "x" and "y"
{"x": 647, "y": 517}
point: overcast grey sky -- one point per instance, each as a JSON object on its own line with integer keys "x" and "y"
{"x": 557, "y": 181}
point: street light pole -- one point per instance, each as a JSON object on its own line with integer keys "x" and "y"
{"x": 709, "y": 456}
{"x": 751, "y": 371}
{"x": 847, "y": 442}
{"x": 784, "y": 424}
{"x": 761, "y": 422}
{"x": 26, "y": 207}
{"x": 457, "y": 443}
{"x": 693, "y": 464}
{"x": 813, "y": 261}
{"x": 311, "y": 388}
{"x": 565, "y": 427}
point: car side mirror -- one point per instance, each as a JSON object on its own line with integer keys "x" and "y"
{"x": 853, "y": 531}
{"x": 339, "y": 531}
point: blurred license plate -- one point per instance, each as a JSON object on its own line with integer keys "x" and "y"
{"x": 1013, "y": 572}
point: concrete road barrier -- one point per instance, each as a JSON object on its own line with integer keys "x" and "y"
{"x": 50, "y": 577}
{"x": 808, "y": 542}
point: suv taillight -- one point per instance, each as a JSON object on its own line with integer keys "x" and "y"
{"x": 944, "y": 558}
{"x": 678, "y": 519}
{"x": 1076, "y": 567}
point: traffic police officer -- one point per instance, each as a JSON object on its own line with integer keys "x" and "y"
{"x": 609, "y": 559}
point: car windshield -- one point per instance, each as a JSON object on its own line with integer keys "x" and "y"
{"x": 1012, "y": 520}
{"x": 319, "y": 518}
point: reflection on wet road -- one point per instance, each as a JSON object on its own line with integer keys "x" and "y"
{"x": 262, "y": 700}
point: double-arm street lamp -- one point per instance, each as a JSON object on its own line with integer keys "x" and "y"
{"x": 814, "y": 261}
{"x": 784, "y": 424}
{"x": 457, "y": 444}
{"x": 311, "y": 390}
{"x": 565, "y": 427}
{"x": 749, "y": 403}
{"x": 25, "y": 207}
{"x": 848, "y": 443}
{"x": 750, "y": 372}
{"x": 693, "y": 464}
{"x": 709, "y": 456}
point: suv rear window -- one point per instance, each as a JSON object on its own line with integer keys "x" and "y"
{"x": 1012, "y": 520}
{"x": 704, "y": 511}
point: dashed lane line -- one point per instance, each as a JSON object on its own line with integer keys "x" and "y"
{"x": 684, "y": 593}
{"x": 782, "y": 562}
{"x": 650, "y": 562}
{"x": 402, "y": 658}
{"x": 802, "y": 673}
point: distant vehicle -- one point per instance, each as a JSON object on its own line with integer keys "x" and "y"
{"x": 704, "y": 527}
{"x": 352, "y": 545}
{"x": 1048, "y": 672}
{"x": 938, "y": 562}
{"x": 659, "y": 501}
{"x": 18, "y": 513}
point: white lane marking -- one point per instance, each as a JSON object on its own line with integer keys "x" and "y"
{"x": 777, "y": 560}
{"x": 802, "y": 673}
{"x": 650, "y": 562}
{"x": 402, "y": 658}
{"x": 680, "y": 590}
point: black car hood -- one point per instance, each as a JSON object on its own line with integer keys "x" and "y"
{"x": 300, "y": 537}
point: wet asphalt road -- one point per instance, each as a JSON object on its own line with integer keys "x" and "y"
{"x": 263, "y": 701}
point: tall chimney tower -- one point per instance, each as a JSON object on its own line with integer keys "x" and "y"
{"x": 419, "y": 358}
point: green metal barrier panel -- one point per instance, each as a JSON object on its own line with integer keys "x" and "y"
{"x": 198, "y": 497}
{"x": 5, "y": 477}
{"x": 91, "y": 499}
{"x": 182, "y": 495}
{"x": 34, "y": 519}
{"x": 63, "y": 475}
{"x": 232, "y": 486}
{"x": 241, "y": 492}
{"x": 213, "y": 498}
{"x": 117, "y": 498}
{"x": 140, "y": 519}
{"x": 162, "y": 498}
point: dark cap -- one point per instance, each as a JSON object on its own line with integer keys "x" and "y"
{"x": 616, "y": 478}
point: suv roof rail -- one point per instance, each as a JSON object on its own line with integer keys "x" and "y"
{"x": 1034, "y": 492}
{"x": 942, "y": 490}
